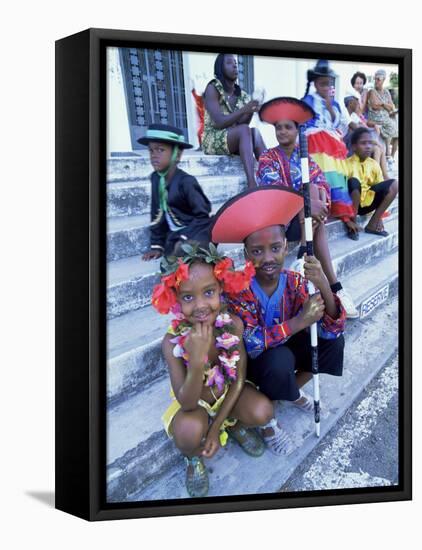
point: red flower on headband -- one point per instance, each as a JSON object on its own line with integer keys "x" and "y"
{"x": 169, "y": 280}
{"x": 221, "y": 268}
{"x": 173, "y": 280}
{"x": 163, "y": 298}
{"x": 181, "y": 274}
{"x": 236, "y": 281}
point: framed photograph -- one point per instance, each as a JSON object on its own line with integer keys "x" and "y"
{"x": 175, "y": 398}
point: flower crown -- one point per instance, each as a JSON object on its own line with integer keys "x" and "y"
{"x": 176, "y": 270}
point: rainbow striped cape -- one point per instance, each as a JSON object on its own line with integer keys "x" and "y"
{"x": 328, "y": 150}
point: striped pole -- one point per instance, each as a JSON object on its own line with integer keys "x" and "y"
{"x": 303, "y": 144}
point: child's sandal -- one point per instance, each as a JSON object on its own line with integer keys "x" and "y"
{"x": 280, "y": 442}
{"x": 248, "y": 440}
{"x": 305, "y": 403}
{"x": 197, "y": 483}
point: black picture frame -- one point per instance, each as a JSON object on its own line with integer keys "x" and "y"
{"x": 81, "y": 279}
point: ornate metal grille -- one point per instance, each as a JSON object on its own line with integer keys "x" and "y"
{"x": 154, "y": 88}
{"x": 246, "y": 73}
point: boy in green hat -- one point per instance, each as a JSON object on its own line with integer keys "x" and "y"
{"x": 179, "y": 207}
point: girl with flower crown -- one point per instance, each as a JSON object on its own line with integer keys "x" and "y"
{"x": 206, "y": 360}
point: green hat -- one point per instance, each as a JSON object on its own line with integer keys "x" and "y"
{"x": 165, "y": 134}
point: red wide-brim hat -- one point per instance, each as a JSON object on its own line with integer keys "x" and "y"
{"x": 286, "y": 108}
{"x": 253, "y": 210}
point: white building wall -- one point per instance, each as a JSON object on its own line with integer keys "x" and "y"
{"x": 274, "y": 76}
{"x": 118, "y": 131}
{"x": 278, "y": 77}
{"x": 198, "y": 71}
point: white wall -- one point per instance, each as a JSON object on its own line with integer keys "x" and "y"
{"x": 118, "y": 131}
{"x": 275, "y": 76}
{"x": 198, "y": 70}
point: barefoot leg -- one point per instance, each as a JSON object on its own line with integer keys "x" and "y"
{"x": 239, "y": 139}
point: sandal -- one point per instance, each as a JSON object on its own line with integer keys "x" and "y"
{"x": 380, "y": 233}
{"x": 280, "y": 442}
{"x": 305, "y": 403}
{"x": 197, "y": 483}
{"x": 248, "y": 440}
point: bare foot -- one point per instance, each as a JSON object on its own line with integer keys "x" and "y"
{"x": 353, "y": 227}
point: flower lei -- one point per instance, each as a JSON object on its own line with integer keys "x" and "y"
{"x": 176, "y": 270}
{"x": 227, "y": 342}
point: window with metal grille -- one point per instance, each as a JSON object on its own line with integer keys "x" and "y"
{"x": 155, "y": 89}
{"x": 246, "y": 73}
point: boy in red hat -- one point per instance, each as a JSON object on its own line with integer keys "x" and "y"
{"x": 276, "y": 310}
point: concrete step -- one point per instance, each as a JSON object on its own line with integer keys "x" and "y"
{"x": 133, "y": 231}
{"x": 127, "y": 236}
{"x": 134, "y": 340}
{"x": 365, "y": 251}
{"x": 143, "y": 464}
{"x": 130, "y": 280}
{"x": 133, "y": 199}
{"x": 130, "y": 235}
{"x": 137, "y": 166}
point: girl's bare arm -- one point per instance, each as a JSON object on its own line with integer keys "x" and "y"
{"x": 186, "y": 383}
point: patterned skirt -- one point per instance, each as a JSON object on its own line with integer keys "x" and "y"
{"x": 214, "y": 141}
{"x": 388, "y": 124}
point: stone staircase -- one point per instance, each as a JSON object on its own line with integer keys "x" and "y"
{"x": 142, "y": 463}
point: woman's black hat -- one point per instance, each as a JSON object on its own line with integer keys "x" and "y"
{"x": 322, "y": 68}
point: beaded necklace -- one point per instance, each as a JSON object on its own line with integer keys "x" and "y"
{"x": 226, "y": 341}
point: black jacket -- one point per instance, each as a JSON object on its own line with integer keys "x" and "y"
{"x": 188, "y": 207}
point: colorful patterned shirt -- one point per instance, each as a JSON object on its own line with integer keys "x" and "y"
{"x": 266, "y": 319}
{"x": 275, "y": 168}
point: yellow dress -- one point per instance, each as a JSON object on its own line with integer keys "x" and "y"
{"x": 212, "y": 411}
